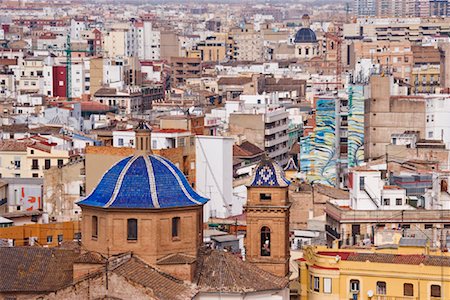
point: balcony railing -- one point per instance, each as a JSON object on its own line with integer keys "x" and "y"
{"x": 332, "y": 232}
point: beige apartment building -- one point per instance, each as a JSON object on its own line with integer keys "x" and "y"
{"x": 96, "y": 71}
{"x": 214, "y": 48}
{"x": 29, "y": 159}
{"x": 393, "y": 57}
{"x": 248, "y": 43}
{"x": 397, "y": 29}
{"x": 115, "y": 41}
{"x": 386, "y": 115}
{"x": 170, "y": 45}
{"x": 31, "y": 76}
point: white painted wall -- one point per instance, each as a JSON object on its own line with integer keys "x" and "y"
{"x": 359, "y": 200}
{"x": 124, "y": 138}
{"x": 438, "y": 118}
{"x": 214, "y": 174}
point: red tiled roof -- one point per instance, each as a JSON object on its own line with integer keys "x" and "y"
{"x": 219, "y": 271}
{"x": 94, "y": 106}
{"x": 13, "y": 145}
{"x": 176, "y": 259}
{"x": 405, "y": 259}
{"x": 246, "y": 149}
{"x": 35, "y": 269}
{"x": 161, "y": 284}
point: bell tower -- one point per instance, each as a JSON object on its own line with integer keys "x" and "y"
{"x": 143, "y": 139}
{"x": 267, "y": 209}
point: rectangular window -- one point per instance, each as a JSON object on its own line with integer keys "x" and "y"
{"x": 435, "y": 291}
{"x": 17, "y": 163}
{"x": 60, "y": 238}
{"x": 60, "y": 163}
{"x": 132, "y": 230}
{"x": 386, "y": 201}
{"x": 316, "y": 284}
{"x": 361, "y": 183}
{"x": 175, "y": 227}
{"x": 381, "y": 288}
{"x": 94, "y": 226}
{"x": 47, "y": 164}
{"x": 265, "y": 196}
{"x": 34, "y": 164}
{"x": 49, "y": 239}
{"x": 428, "y": 226}
{"x": 120, "y": 142}
{"x": 398, "y": 201}
{"x": 327, "y": 285}
{"x": 408, "y": 289}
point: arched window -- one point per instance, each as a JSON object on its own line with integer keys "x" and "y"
{"x": 306, "y": 51}
{"x": 94, "y": 226}
{"x": 132, "y": 229}
{"x": 265, "y": 241}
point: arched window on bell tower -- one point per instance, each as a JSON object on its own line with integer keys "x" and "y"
{"x": 265, "y": 241}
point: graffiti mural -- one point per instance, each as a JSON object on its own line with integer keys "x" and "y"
{"x": 355, "y": 125}
{"x": 318, "y": 149}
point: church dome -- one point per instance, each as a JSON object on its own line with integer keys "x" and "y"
{"x": 143, "y": 181}
{"x": 269, "y": 174}
{"x": 305, "y": 35}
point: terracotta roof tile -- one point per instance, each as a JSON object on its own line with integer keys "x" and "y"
{"x": 162, "y": 285}
{"x": 219, "y": 271}
{"x": 404, "y": 259}
{"x": 246, "y": 149}
{"x": 13, "y": 145}
{"x": 89, "y": 257}
{"x": 331, "y": 192}
{"x": 176, "y": 259}
{"x": 35, "y": 269}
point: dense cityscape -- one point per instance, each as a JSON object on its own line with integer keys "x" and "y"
{"x": 285, "y": 150}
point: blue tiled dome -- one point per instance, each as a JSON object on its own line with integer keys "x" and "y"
{"x": 143, "y": 181}
{"x": 305, "y": 35}
{"x": 269, "y": 174}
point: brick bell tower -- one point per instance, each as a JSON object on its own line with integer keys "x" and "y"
{"x": 267, "y": 210}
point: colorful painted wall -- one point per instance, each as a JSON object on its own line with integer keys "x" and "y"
{"x": 318, "y": 149}
{"x": 355, "y": 125}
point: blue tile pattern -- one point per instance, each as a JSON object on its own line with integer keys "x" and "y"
{"x": 105, "y": 189}
{"x": 134, "y": 190}
{"x": 269, "y": 174}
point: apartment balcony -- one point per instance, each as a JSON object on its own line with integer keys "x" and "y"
{"x": 273, "y": 115}
{"x": 330, "y": 231}
{"x": 278, "y": 152}
{"x": 275, "y": 129}
{"x": 276, "y": 141}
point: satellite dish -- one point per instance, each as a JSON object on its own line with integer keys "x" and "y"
{"x": 370, "y": 293}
